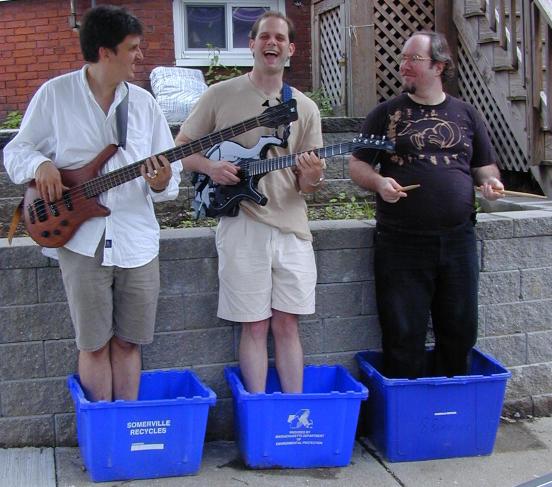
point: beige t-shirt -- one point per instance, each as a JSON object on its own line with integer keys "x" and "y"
{"x": 233, "y": 101}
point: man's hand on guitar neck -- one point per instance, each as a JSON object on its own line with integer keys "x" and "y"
{"x": 48, "y": 182}
{"x": 309, "y": 170}
{"x": 157, "y": 173}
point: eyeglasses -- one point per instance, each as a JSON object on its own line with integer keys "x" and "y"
{"x": 413, "y": 59}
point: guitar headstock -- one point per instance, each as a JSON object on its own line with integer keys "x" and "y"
{"x": 373, "y": 142}
{"x": 280, "y": 114}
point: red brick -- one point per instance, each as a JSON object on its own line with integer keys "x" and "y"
{"x": 16, "y": 68}
{"x": 18, "y": 38}
{"x": 46, "y": 28}
{"x": 23, "y": 52}
{"x": 35, "y": 22}
{"x": 14, "y": 24}
{"x": 28, "y": 75}
{"x": 40, "y": 67}
{"x": 26, "y": 45}
{"x": 7, "y": 76}
{"x": 35, "y": 37}
{"x": 16, "y": 83}
{"x": 20, "y": 99}
{"x": 25, "y": 60}
{"x": 24, "y": 30}
{"x": 26, "y": 15}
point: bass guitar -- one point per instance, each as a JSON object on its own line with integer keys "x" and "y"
{"x": 53, "y": 224}
{"x": 214, "y": 200}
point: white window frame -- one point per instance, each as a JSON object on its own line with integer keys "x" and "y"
{"x": 228, "y": 57}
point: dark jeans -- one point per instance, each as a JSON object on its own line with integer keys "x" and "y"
{"x": 421, "y": 274}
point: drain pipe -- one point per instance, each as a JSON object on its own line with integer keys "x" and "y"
{"x": 73, "y": 23}
{"x": 73, "y": 17}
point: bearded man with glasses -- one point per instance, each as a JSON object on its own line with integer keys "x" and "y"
{"x": 426, "y": 261}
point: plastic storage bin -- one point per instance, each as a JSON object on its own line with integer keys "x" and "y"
{"x": 313, "y": 429}
{"x": 159, "y": 435}
{"x": 434, "y": 417}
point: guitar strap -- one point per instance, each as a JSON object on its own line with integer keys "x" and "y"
{"x": 14, "y": 221}
{"x": 121, "y": 116}
{"x": 286, "y": 96}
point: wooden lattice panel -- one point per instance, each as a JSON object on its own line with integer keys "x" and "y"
{"x": 394, "y": 23}
{"x": 474, "y": 90}
{"x": 331, "y": 72}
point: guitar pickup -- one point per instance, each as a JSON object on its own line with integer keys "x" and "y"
{"x": 68, "y": 201}
{"x": 53, "y": 209}
{"x": 31, "y": 213}
{"x": 40, "y": 209}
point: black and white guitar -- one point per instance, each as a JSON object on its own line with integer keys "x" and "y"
{"x": 214, "y": 200}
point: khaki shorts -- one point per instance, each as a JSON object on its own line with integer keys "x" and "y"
{"x": 260, "y": 269}
{"x": 109, "y": 300}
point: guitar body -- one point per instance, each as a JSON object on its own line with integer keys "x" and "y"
{"x": 225, "y": 199}
{"x": 53, "y": 225}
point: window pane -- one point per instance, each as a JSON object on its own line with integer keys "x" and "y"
{"x": 243, "y": 19}
{"x": 206, "y": 25}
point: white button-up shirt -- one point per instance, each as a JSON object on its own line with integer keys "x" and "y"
{"x": 65, "y": 124}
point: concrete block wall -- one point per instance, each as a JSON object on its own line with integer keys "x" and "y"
{"x": 36, "y": 336}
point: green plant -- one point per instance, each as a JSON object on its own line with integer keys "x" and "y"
{"x": 12, "y": 120}
{"x": 217, "y": 71}
{"x": 341, "y": 208}
{"x": 323, "y": 101}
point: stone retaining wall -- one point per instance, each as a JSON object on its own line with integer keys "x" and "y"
{"x": 36, "y": 336}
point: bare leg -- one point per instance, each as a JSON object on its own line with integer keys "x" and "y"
{"x": 95, "y": 374}
{"x": 289, "y": 352}
{"x": 253, "y": 355}
{"x": 126, "y": 364}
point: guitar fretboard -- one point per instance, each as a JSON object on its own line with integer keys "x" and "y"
{"x": 266, "y": 165}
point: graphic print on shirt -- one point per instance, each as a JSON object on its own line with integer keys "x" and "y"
{"x": 428, "y": 134}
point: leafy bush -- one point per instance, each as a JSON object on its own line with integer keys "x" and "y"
{"x": 12, "y": 120}
{"x": 341, "y": 208}
{"x": 324, "y": 103}
{"x": 217, "y": 71}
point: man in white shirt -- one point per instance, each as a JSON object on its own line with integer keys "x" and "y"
{"x": 110, "y": 266}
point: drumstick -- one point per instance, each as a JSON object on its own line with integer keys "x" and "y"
{"x": 514, "y": 193}
{"x": 408, "y": 188}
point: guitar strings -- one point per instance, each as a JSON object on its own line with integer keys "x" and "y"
{"x": 78, "y": 193}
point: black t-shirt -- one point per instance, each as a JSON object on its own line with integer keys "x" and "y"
{"x": 435, "y": 146}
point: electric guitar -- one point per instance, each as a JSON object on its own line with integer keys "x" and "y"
{"x": 214, "y": 200}
{"x": 53, "y": 224}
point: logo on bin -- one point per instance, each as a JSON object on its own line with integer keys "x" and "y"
{"x": 300, "y": 419}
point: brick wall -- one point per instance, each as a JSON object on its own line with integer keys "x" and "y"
{"x": 37, "y": 350}
{"x": 38, "y": 44}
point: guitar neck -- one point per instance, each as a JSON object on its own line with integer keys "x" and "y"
{"x": 115, "y": 178}
{"x": 267, "y": 165}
